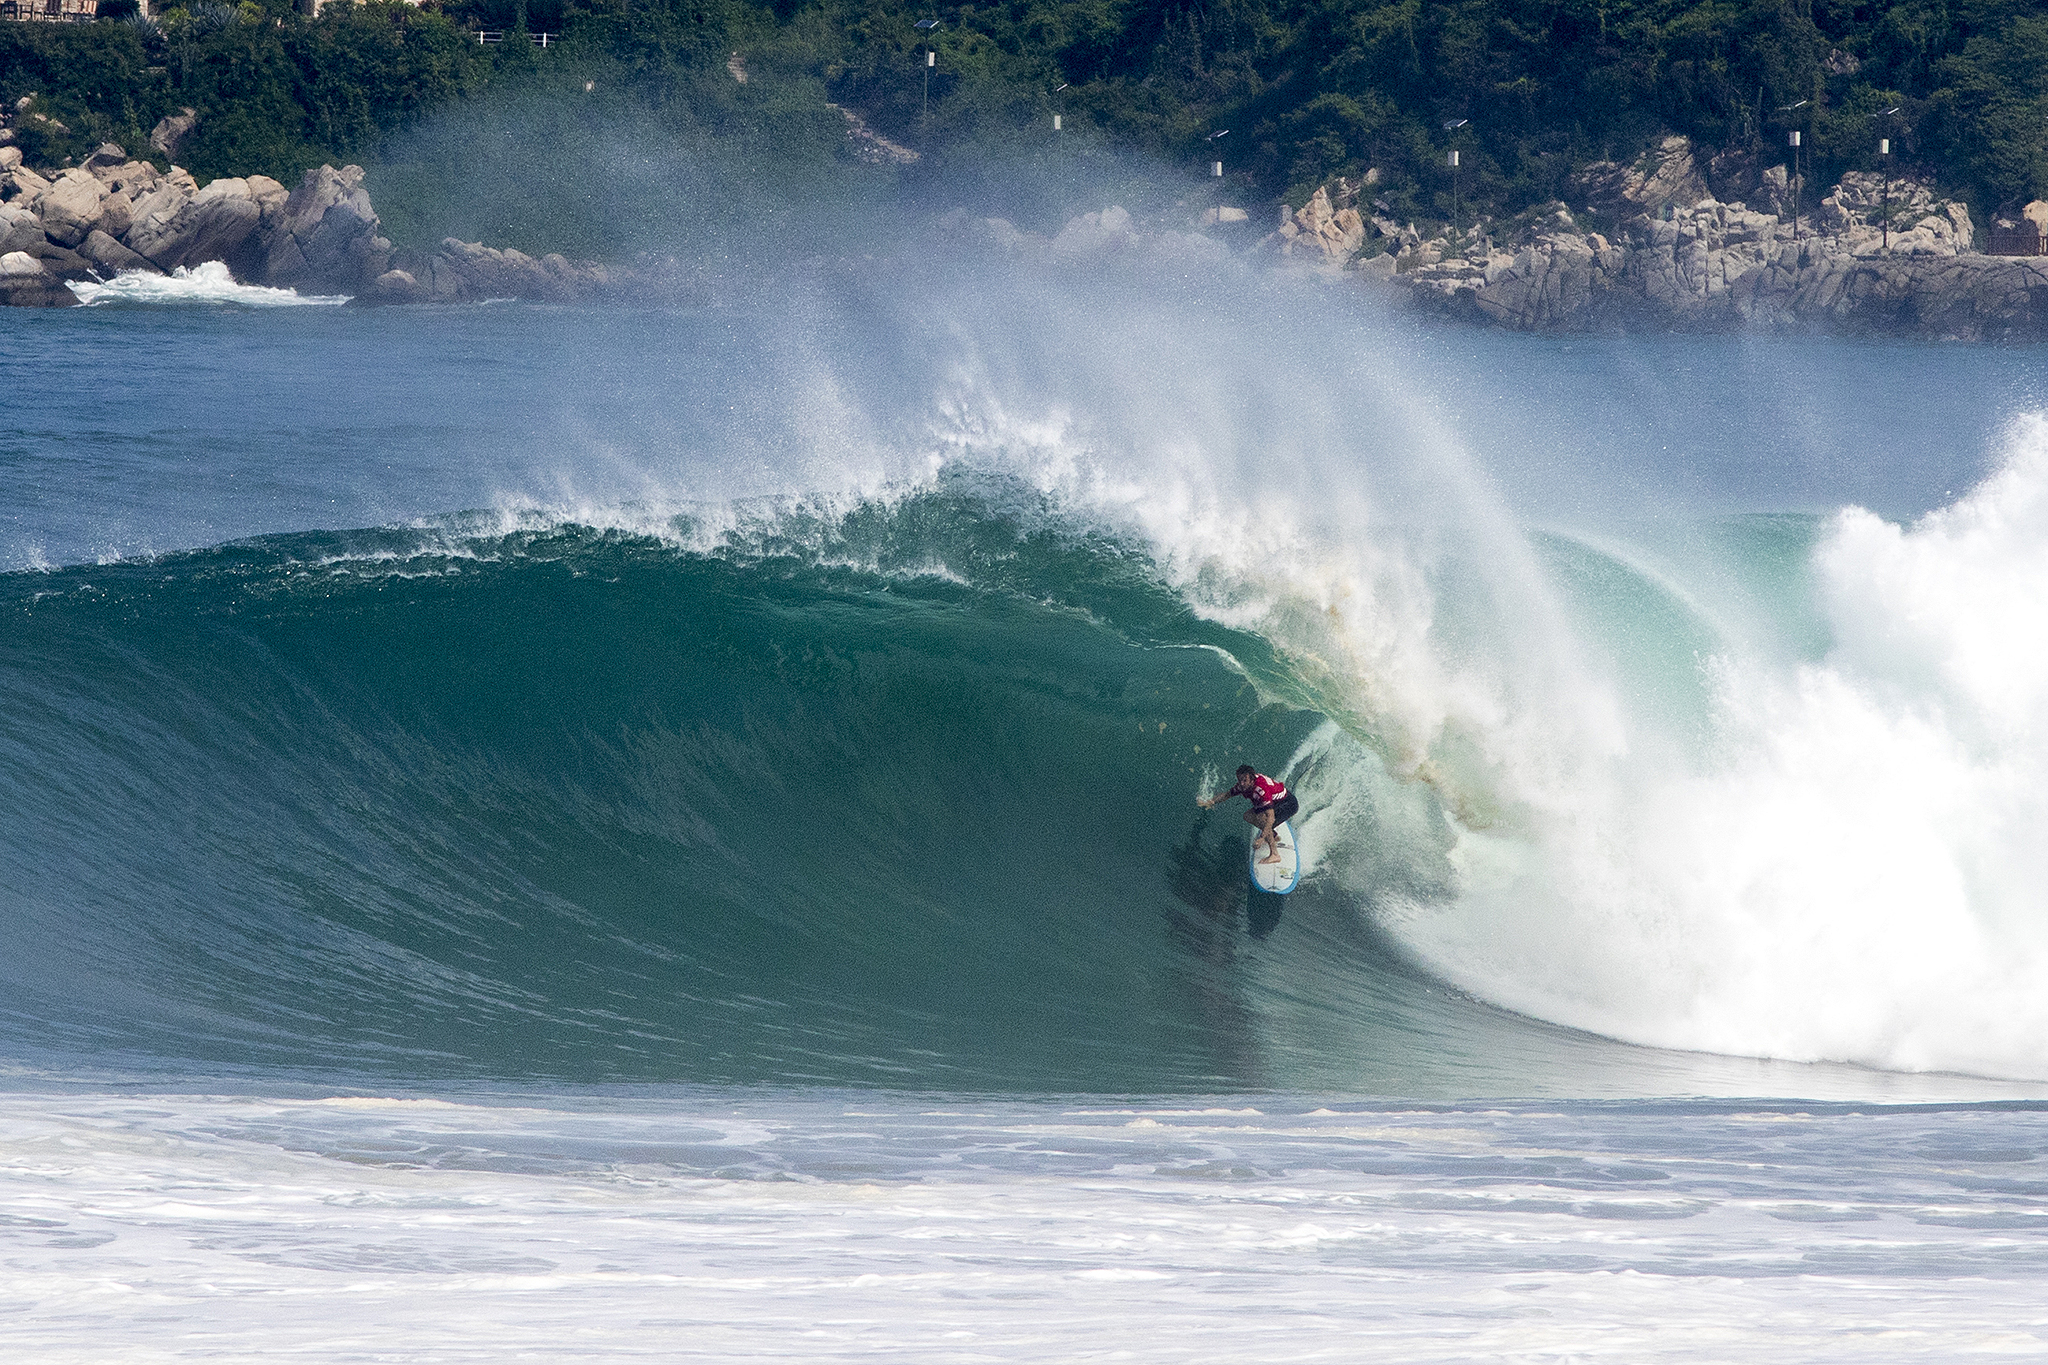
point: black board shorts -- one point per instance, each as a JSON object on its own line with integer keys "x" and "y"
{"x": 1283, "y": 809}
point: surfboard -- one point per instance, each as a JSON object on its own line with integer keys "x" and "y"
{"x": 1278, "y": 878}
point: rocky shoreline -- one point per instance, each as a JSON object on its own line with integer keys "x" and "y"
{"x": 1664, "y": 243}
{"x": 116, "y": 214}
{"x": 1695, "y": 248}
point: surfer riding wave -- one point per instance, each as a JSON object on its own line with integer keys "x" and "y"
{"x": 1272, "y": 806}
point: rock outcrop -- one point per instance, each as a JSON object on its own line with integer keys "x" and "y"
{"x": 25, "y": 284}
{"x": 1664, "y": 241}
{"x": 1321, "y": 231}
{"x": 325, "y": 234}
{"x": 172, "y": 130}
{"x": 1872, "y": 255}
{"x": 114, "y": 214}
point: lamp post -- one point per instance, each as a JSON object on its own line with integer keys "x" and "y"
{"x": 1884, "y": 163}
{"x": 1216, "y": 167}
{"x": 1795, "y": 183}
{"x": 1793, "y": 140}
{"x": 929, "y": 27}
{"x": 1059, "y": 149}
{"x": 1452, "y": 127}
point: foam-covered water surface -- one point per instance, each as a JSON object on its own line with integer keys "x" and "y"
{"x": 206, "y": 283}
{"x": 730, "y": 1225}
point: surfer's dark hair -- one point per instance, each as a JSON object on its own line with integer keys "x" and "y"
{"x": 1246, "y": 770}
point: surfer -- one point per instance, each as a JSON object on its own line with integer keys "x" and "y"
{"x": 1272, "y": 806}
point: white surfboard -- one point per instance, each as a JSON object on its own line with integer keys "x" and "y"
{"x": 1278, "y": 878}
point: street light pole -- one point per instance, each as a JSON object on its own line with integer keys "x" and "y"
{"x": 1884, "y": 211}
{"x": 1452, "y": 126}
{"x": 1455, "y": 214}
{"x": 931, "y": 59}
{"x": 1795, "y": 184}
{"x": 1884, "y": 162}
{"x": 1793, "y": 141}
{"x": 1059, "y": 152}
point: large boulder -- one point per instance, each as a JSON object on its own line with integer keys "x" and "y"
{"x": 470, "y": 270}
{"x": 326, "y": 235}
{"x": 20, "y": 229}
{"x": 62, "y": 261}
{"x": 170, "y": 133}
{"x": 109, "y": 257}
{"x": 25, "y": 284}
{"x": 1321, "y": 231}
{"x": 116, "y": 216}
{"x": 1654, "y": 182}
{"x": 217, "y": 222}
{"x": 211, "y": 225}
{"x": 395, "y": 286}
{"x": 272, "y": 197}
{"x": 71, "y": 206}
{"x": 21, "y": 185}
{"x": 155, "y": 212}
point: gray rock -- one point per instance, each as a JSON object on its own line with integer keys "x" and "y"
{"x": 62, "y": 262}
{"x": 129, "y": 177}
{"x": 116, "y": 216}
{"x": 154, "y": 215}
{"x": 71, "y": 206}
{"x": 21, "y": 183}
{"x": 170, "y": 133}
{"x": 327, "y": 235}
{"x": 395, "y": 286}
{"x": 20, "y": 229}
{"x": 1654, "y": 182}
{"x": 220, "y": 218}
{"x": 25, "y": 284}
{"x": 470, "y": 270}
{"x": 109, "y": 257}
{"x": 272, "y": 196}
{"x": 1321, "y": 231}
{"x": 210, "y": 226}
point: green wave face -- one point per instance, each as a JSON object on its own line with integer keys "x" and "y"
{"x": 904, "y": 797}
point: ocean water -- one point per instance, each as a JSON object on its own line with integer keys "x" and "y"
{"x": 606, "y": 834}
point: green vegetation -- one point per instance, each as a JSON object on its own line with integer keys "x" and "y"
{"x": 1309, "y": 89}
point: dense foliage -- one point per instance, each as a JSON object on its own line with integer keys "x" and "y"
{"x": 1308, "y": 89}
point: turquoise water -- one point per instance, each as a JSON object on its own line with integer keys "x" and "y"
{"x": 603, "y": 835}
{"x": 811, "y": 688}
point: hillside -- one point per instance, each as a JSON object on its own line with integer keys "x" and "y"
{"x": 1308, "y": 90}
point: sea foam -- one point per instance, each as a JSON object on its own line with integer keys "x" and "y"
{"x": 207, "y": 282}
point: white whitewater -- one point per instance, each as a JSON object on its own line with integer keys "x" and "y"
{"x": 713, "y": 1226}
{"x": 208, "y": 282}
{"x": 1833, "y": 858}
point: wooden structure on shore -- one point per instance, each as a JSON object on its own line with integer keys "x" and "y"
{"x": 50, "y": 11}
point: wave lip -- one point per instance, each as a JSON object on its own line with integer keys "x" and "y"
{"x": 208, "y": 282}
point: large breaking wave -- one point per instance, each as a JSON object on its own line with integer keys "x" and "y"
{"x": 901, "y": 794}
{"x": 836, "y": 714}
{"x": 899, "y": 791}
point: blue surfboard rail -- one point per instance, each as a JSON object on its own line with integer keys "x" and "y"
{"x": 1286, "y": 832}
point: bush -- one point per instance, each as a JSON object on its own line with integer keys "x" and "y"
{"x": 1309, "y": 89}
